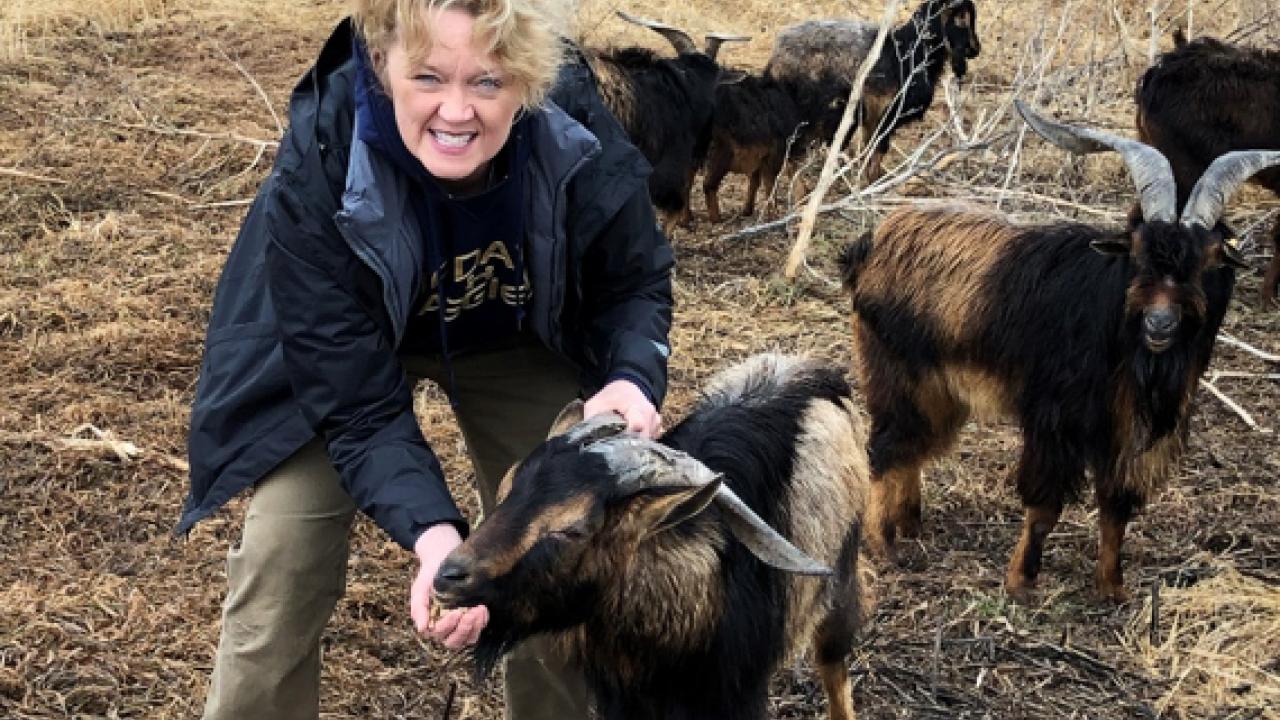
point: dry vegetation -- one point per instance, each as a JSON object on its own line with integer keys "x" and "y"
{"x": 131, "y": 133}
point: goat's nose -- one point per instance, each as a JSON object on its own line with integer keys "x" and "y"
{"x": 451, "y": 575}
{"x": 1160, "y": 322}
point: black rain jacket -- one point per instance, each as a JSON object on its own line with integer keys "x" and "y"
{"x": 314, "y": 298}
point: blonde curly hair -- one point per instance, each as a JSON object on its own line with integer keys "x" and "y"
{"x": 524, "y": 36}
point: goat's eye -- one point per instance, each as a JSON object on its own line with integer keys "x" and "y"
{"x": 572, "y": 533}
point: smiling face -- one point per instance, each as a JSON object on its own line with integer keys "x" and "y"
{"x": 454, "y": 106}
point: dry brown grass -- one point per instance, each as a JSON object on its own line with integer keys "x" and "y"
{"x": 1217, "y": 641}
{"x": 129, "y": 134}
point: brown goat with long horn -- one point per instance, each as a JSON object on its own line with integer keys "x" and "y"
{"x": 662, "y": 569}
{"x": 1093, "y": 338}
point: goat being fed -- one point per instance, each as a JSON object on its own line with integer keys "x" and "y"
{"x": 655, "y": 566}
{"x": 1094, "y": 339}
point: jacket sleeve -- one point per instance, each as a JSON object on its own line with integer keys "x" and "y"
{"x": 627, "y": 302}
{"x": 346, "y": 377}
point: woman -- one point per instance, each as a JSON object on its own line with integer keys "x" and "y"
{"x": 428, "y": 216}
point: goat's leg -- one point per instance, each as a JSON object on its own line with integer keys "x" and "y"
{"x": 685, "y": 215}
{"x": 1049, "y": 469}
{"x": 1115, "y": 510}
{"x": 894, "y": 508}
{"x": 1272, "y": 277}
{"x": 876, "y": 105}
{"x": 908, "y": 511}
{"x": 719, "y": 159}
{"x": 753, "y": 187}
{"x": 834, "y": 637}
{"x": 1024, "y": 565}
{"x": 769, "y": 173}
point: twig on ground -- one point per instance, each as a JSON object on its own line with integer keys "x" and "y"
{"x": 1235, "y": 407}
{"x": 1228, "y": 339}
{"x": 102, "y": 442}
{"x": 15, "y": 172}
{"x": 883, "y": 185}
{"x": 261, "y": 93}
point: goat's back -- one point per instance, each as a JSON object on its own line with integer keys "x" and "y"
{"x": 969, "y": 302}
{"x": 790, "y": 441}
{"x": 1206, "y": 98}
{"x": 814, "y": 50}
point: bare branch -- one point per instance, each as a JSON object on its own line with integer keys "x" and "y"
{"x": 833, "y": 152}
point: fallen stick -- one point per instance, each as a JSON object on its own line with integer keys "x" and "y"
{"x": 1234, "y": 406}
{"x": 1248, "y": 348}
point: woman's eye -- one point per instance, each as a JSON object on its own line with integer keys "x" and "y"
{"x": 489, "y": 83}
{"x": 427, "y": 78}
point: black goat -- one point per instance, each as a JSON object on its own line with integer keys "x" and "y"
{"x": 653, "y": 566}
{"x": 817, "y": 60}
{"x": 1206, "y": 98}
{"x": 1093, "y": 339}
{"x": 665, "y": 105}
{"x": 754, "y": 129}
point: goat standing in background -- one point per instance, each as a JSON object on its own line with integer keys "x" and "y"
{"x": 654, "y": 565}
{"x": 1205, "y": 98}
{"x": 1093, "y": 339}
{"x": 754, "y": 128}
{"x": 665, "y": 105}
{"x": 817, "y": 61}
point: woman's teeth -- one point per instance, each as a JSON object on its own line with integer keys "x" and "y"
{"x": 452, "y": 140}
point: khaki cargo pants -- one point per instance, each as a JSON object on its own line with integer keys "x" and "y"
{"x": 289, "y": 570}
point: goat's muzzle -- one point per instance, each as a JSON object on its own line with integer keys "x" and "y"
{"x": 1160, "y": 327}
{"x": 454, "y": 582}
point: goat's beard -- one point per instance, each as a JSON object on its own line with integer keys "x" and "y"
{"x": 493, "y": 645}
{"x": 1160, "y": 383}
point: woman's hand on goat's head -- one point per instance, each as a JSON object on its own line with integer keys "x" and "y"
{"x": 626, "y": 399}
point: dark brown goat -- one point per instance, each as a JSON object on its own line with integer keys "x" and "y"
{"x": 665, "y": 105}
{"x": 817, "y": 61}
{"x": 1094, "y": 339}
{"x": 1206, "y": 98}
{"x": 754, "y": 130}
{"x": 655, "y": 566}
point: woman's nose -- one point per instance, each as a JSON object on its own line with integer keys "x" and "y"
{"x": 456, "y": 107}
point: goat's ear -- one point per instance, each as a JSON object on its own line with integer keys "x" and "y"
{"x": 571, "y": 415}
{"x": 660, "y": 508}
{"x": 1111, "y": 246}
{"x": 504, "y": 487}
{"x": 1224, "y": 252}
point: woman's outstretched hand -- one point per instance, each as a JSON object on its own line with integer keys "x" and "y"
{"x": 454, "y": 628}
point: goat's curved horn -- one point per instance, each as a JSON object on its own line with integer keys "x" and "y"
{"x": 763, "y": 541}
{"x": 640, "y": 464}
{"x": 678, "y": 38}
{"x": 596, "y": 427}
{"x": 1150, "y": 170}
{"x": 715, "y": 40}
{"x": 1220, "y": 181}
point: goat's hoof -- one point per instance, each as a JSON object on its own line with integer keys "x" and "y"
{"x": 910, "y": 525}
{"x": 880, "y": 545}
{"x": 1020, "y": 588}
{"x": 1113, "y": 593}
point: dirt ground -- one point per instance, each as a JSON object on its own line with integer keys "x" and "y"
{"x": 133, "y": 131}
